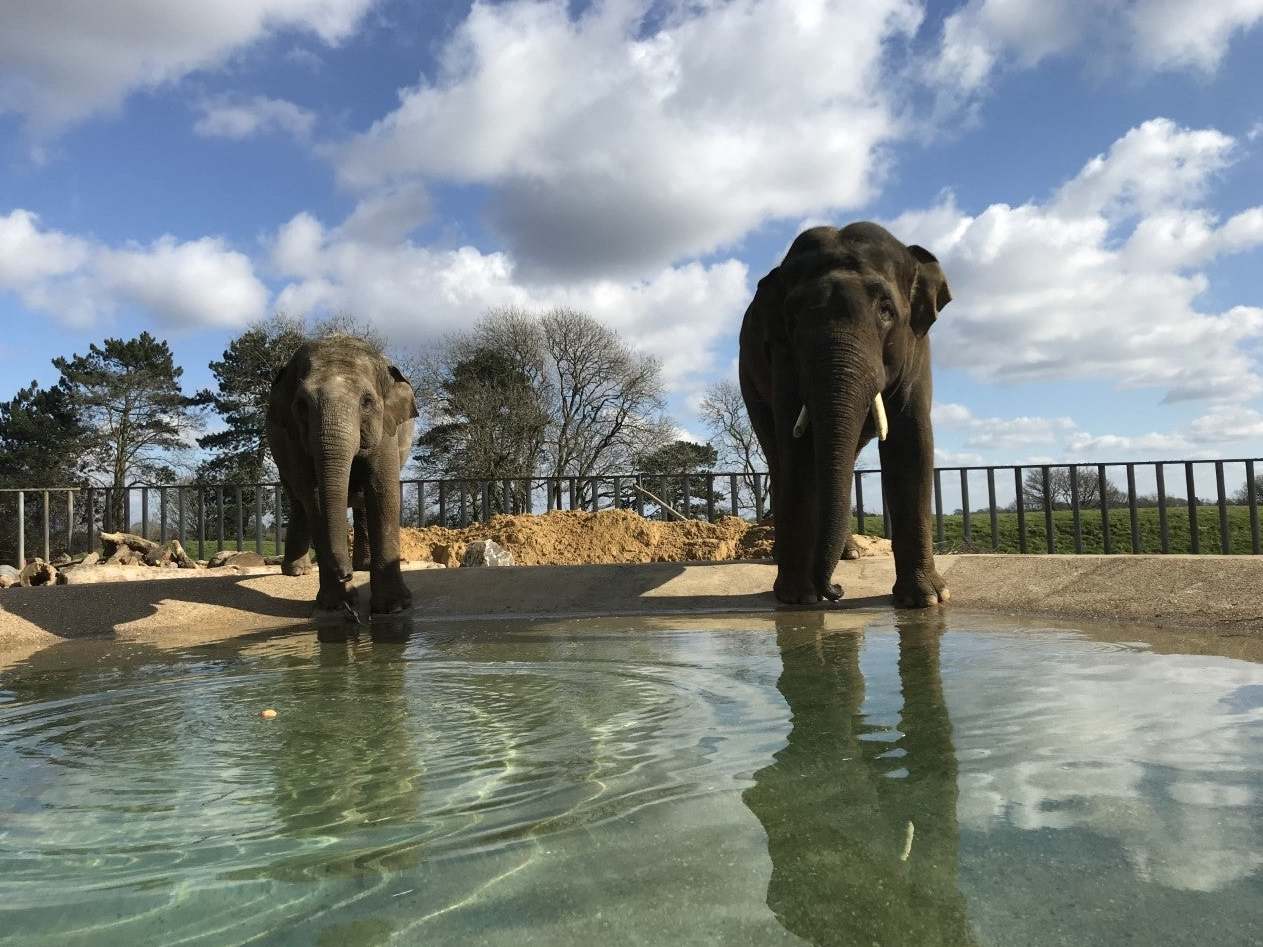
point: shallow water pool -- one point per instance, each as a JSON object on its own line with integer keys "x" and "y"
{"x": 830, "y": 778}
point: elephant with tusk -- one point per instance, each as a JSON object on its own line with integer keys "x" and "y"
{"x": 835, "y": 351}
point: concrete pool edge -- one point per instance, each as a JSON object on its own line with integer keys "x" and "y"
{"x": 1219, "y": 594}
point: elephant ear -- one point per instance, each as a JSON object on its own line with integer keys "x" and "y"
{"x": 929, "y": 293}
{"x": 769, "y": 305}
{"x": 401, "y": 401}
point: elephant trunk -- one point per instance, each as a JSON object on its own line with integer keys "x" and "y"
{"x": 843, "y": 396}
{"x": 338, "y": 442}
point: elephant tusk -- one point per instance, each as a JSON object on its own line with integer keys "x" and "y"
{"x": 800, "y": 426}
{"x": 879, "y": 415}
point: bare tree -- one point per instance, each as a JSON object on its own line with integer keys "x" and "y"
{"x": 522, "y": 394}
{"x": 1060, "y": 488}
{"x": 723, "y": 412}
{"x": 608, "y": 397}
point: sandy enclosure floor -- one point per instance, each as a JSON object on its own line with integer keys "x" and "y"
{"x": 1214, "y": 595}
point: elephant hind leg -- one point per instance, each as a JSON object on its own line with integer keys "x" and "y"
{"x": 361, "y": 554}
{"x": 297, "y": 540}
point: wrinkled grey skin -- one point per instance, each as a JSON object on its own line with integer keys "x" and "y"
{"x": 844, "y": 317}
{"x": 340, "y": 427}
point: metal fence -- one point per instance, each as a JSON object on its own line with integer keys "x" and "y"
{"x": 1118, "y": 518}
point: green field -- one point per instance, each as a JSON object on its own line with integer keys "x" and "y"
{"x": 1147, "y": 522}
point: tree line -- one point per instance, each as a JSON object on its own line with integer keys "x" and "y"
{"x": 518, "y": 395}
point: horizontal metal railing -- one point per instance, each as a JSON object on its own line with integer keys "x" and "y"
{"x": 238, "y": 515}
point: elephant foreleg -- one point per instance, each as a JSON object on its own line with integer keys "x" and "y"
{"x": 297, "y": 539}
{"x": 388, "y": 592}
{"x": 907, "y": 471}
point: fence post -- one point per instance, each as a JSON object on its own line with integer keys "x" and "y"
{"x": 1103, "y": 489}
{"x": 1225, "y": 546}
{"x": 48, "y": 553}
{"x": 91, "y": 515}
{"x": 1194, "y": 534}
{"x": 967, "y": 530}
{"x": 1253, "y": 502}
{"x": 1021, "y": 510}
{"x": 859, "y": 502}
{"x": 1160, "y": 476}
{"x": 144, "y": 512}
{"x": 21, "y": 529}
{"x": 734, "y": 500}
{"x": 938, "y": 504}
{"x": 201, "y": 522}
{"x": 710, "y": 498}
{"x": 995, "y": 519}
{"x": 1131, "y": 508}
{"x": 276, "y": 502}
{"x": 70, "y": 521}
{"x": 162, "y": 515}
{"x": 758, "y": 498}
{"x": 258, "y": 518}
{"x": 1074, "y": 508}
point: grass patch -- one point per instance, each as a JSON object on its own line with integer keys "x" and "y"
{"x": 1148, "y": 527}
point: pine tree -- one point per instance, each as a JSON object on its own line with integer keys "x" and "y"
{"x": 244, "y": 384}
{"x": 41, "y": 442}
{"x": 127, "y": 395}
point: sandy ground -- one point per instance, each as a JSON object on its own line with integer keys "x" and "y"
{"x": 1216, "y": 595}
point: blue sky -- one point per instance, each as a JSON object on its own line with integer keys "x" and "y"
{"x": 1085, "y": 169}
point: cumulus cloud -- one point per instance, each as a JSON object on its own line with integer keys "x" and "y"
{"x": 194, "y": 283}
{"x": 985, "y": 35}
{"x": 417, "y": 293}
{"x": 617, "y": 141}
{"x": 245, "y": 118}
{"x": 63, "y": 60}
{"x": 1099, "y": 282}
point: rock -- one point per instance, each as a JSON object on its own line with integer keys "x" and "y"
{"x": 9, "y": 576}
{"x": 174, "y": 553}
{"x": 220, "y": 558}
{"x": 121, "y": 556}
{"x": 90, "y": 559}
{"x": 105, "y": 572}
{"x": 116, "y": 541}
{"x": 448, "y": 555}
{"x": 860, "y": 546}
{"x": 61, "y": 560}
{"x": 273, "y": 560}
{"x": 246, "y": 559}
{"x": 486, "y": 552}
{"x": 38, "y": 572}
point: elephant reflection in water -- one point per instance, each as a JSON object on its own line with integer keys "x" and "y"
{"x": 346, "y": 762}
{"x": 836, "y": 807}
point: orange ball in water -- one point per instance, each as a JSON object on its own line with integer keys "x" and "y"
{"x": 267, "y": 714}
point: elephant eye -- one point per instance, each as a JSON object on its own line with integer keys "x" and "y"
{"x": 886, "y": 311}
{"x": 367, "y": 401}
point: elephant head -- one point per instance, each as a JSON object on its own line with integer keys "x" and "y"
{"x": 346, "y": 404}
{"x": 846, "y": 314}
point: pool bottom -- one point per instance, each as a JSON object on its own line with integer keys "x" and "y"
{"x": 827, "y": 777}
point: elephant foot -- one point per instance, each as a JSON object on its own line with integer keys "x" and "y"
{"x": 301, "y": 566}
{"x": 923, "y": 589}
{"x": 803, "y": 592}
{"x": 361, "y": 561}
{"x": 337, "y": 602}
{"x": 850, "y": 551}
{"x": 390, "y": 601}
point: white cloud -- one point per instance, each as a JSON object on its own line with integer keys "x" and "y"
{"x": 617, "y": 142}
{"x": 1156, "y": 35}
{"x": 417, "y": 293}
{"x": 195, "y": 283}
{"x": 243, "y": 118}
{"x": 1226, "y": 424}
{"x": 1098, "y": 283}
{"x": 62, "y": 60}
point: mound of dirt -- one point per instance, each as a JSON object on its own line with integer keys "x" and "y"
{"x": 583, "y": 538}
